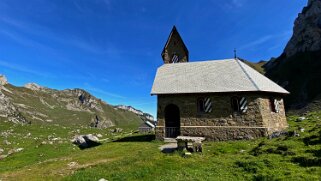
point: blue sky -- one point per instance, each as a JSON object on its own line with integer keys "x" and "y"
{"x": 111, "y": 48}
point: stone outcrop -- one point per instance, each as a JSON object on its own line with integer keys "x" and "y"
{"x": 3, "y": 80}
{"x": 34, "y": 86}
{"x": 306, "y": 31}
{"x": 9, "y": 111}
{"x": 83, "y": 99}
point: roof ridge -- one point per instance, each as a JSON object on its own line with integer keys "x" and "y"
{"x": 247, "y": 75}
{"x": 198, "y": 61}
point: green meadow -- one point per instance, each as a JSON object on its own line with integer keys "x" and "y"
{"x": 48, "y": 154}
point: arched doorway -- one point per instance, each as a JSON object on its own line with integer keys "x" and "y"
{"x": 172, "y": 121}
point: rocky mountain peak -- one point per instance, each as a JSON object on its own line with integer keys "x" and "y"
{"x": 3, "y": 80}
{"x": 306, "y": 31}
{"x": 33, "y": 86}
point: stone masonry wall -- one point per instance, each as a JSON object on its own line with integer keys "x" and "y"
{"x": 275, "y": 121}
{"x": 221, "y": 123}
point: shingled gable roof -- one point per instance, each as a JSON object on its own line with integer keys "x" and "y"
{"x": 230, "y": 75}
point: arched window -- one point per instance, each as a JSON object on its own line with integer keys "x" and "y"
{"x": 235, "y": 104}
{"x": 239, "y": 104}
{"x": 204, "y": 105}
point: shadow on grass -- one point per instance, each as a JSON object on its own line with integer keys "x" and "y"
{"x": 168, "y": 150}
{"x": 138, "y": 138}
{"x": 316, "y": 153}
{"x": 90, "y": 144}
{"x": 307, "y": 162}
{"x": 312, "y": 140}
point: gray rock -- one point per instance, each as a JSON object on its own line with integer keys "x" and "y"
{"x": 102, "y": 179}
{"x": 18, "y": 150}
{"x": 6, "y": 142}
{"x": 80, "y": 141}
{"x": 306, "y": 31}
{"x": 301, "y": 130}
{"x": 1, "y": 150}
{"x": 278, "y": 134}
{"x": 301, "y": 118}
{"x": 3, "y": 156}
{"x": 86, "y": 141}
{"x": 10, "y": 111}
{"x": 90, "y": 137}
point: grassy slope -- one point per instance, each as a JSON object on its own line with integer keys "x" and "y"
{"x": 257, "y": 66}
{"x": 60, "y": 115}
{"x": 292, "y": 158}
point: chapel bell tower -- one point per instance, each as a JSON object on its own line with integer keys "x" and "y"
{"x": 175, "y": 50}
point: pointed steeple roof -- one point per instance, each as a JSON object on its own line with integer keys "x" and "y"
{"x": 174, "y": 35}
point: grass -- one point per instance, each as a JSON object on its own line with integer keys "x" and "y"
{"x": 129, "y": 156}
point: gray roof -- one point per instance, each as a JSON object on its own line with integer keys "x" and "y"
{"x": 230, "y": 75}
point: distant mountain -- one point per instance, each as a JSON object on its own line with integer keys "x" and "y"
{"x": 143, "y": 115}
{"x": 40, "y": 105}
{"x": 298, "y": 69}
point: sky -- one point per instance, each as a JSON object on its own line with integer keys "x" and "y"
{"x": 112, "y": 48}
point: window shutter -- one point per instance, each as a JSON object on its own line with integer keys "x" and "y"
{"x": 243, "y": 105}
{"x": 174, "y": 58}
{"x": 207, "y": 105}
{"x": 276, "y": 105}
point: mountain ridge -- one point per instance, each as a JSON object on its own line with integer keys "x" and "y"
{"x": 36, "y": 104}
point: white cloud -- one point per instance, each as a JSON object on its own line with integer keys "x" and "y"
{"x": 103, "y": 92}
{"x": 20, "y": 68}
{"x": 266, "y": 38}
{"x": 256, "y": 42}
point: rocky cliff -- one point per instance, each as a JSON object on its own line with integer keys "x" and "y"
{"x": 298, "y": 68}
{"x": 307, "y": 30}
{"x": 40, "y": 105}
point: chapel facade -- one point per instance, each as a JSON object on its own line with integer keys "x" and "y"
{"x": 216, "y": 99}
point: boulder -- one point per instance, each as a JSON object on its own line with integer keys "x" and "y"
{"x": 86, "y": 141}
{"x": 80, "y": 141}
{"x": 301, "y": 119}
{"x": 90, "y": 138}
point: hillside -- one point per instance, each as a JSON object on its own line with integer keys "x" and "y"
{"x": 259, "y": 66}
{"x": 39, "y": 105}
